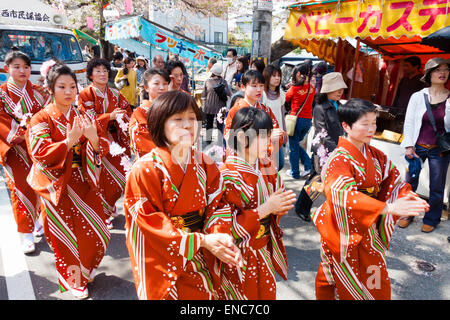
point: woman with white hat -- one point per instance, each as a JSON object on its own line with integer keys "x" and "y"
{"x": 214, "y": 97}
{"x": 328, "y": 129}
{"x": 420, "y": 136}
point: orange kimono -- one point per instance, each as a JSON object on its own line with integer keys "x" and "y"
{"x": 113, "y": 176}
{"x": 17, "y": 106}
{"x": 140, "y": 141}
{"x": 260, "y": 241}
{"x": 244, "y": 104}
{"x": 166, "y": 209}
{"x": 354, "y": 233}
{"x": 67, "y": 181}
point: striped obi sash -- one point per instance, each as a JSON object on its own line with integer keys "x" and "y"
{"x": 189, "y": 222}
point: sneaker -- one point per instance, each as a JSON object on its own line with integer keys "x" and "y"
{"x": 289, "y": 174}
{"x": 80, "y": 293}
{"x": 305, "y": 173}
{"x": 109, "y": 224}
{"x": 28, "y": 243}
{"x": 304, "y": 217}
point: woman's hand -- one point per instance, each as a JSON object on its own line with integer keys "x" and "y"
{"x": 222, "y": 246}
{"x": 410, "y": 153}
{"x": 279, "y": 203}
{"x": 90, "y": 132}
{"x": 116, "y": 111}
{"x": 411, "y": 205}
{"x": 74, "y": 133}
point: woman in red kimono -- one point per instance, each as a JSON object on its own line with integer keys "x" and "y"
{"x": 172, "y": 193}
{"x": 258, "y": 199}
{"x": 65, "y": 147}
{"x": 155, "y": 81}
{"x": 113, "y": 112}
{"x": 19, "y": 101}
{"x": 365, "y": 197}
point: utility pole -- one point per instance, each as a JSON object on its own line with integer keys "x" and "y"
{"x": 262, "y": 29}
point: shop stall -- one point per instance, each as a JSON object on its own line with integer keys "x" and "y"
{"x": 385, "y": 32}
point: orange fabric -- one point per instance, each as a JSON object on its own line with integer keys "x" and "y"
{"x": 16, "y": 106}
{"x": 354, "y": 233}
{"x": 168, "y": 262}
{"x": 246, "y": 189}
{"x": 298, "y": 94}
{"x": 73, "y": 215}
{"x": 141, "y": 143}
{"x": 100, "y": 106}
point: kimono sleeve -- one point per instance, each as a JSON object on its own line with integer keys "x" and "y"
{"x": 245, "y": 220}
{"x": 349, "y": 213}
{"x": 143, "y": 206}
{"x": 41, "y": 147}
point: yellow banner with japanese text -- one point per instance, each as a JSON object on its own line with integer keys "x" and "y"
{"x": 371, "y": 18}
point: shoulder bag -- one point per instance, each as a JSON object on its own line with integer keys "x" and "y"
{"x": 291, "y": 120}
{"x": 443, "y": 139}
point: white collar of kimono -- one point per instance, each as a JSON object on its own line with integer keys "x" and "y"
{"x": 67, "y": 115}
{"x": 184, "y": 166}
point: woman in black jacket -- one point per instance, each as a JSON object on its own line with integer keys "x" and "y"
{"x": 327, "y": 129}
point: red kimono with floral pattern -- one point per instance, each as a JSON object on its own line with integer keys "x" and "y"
{"x": 260, "y": 240}
{"x": 17, "y": 106}
{"x": 354, "y": 234}
{"x": 74, "y": 219}
{"x": 113, "y": 176}
{"x": 164, "y": 247}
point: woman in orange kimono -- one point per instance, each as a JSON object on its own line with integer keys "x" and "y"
{"x": 19, "y": 101}
{"x": 172, "y": 193}
{"x": 66, "y": 147}
{"x": 258, "y": 199}
{"x": 365, "y": 196}
{"x": 155, "y": 81}
{"x": 113, "y": 113}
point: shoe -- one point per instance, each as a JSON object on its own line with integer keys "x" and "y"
{"x": 80, "y": 293}
{"x": 28, "y": 243}
{"x": 289, "y": 174}
{"x": 109, "y": 224}
{"x": 404, "y": 223}
{"x": 427, "y": 228}
{"x": 305, "y": 173}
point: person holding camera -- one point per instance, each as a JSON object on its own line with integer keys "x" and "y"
{"x": 126, "y": 82}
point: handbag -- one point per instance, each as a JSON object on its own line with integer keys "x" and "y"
{"x": 442, "y": 139}
{"x": 291, "y": 120}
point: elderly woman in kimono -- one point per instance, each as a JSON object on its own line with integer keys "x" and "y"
{"x": 65, "y": 147}
{"x": 365, "y": 197}
{"x": 113, "y": 113}
{"x": 173, "y": 193}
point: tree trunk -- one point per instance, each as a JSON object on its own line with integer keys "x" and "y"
{"x": 280, "y": 48}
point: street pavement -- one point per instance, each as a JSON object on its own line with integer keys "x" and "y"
{"x": 34, "y": 277}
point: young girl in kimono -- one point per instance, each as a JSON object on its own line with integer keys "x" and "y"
{"x": 155, "y": 81}
{"x": 257, "y": 199}
{"x": 65, "y": 147}
{"x": 365, "y": 197}
{"x": 172, "y": 194}
{"x": 19, "y": 101}
{"x": 113, "y": 113}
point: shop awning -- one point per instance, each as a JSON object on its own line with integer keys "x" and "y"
{"x": 80, "y": 34}
{"x": 394, "y": 28}
{"x": 135, "y": 28}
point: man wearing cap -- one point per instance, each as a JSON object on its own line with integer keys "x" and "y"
{"x": 212, "y": 101}
{"x": 327, "y": 130}
{"x": 420, "y": 137}
{"x": 410, "y": 83}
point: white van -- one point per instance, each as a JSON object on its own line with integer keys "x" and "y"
{"x": 37, "y": 30}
